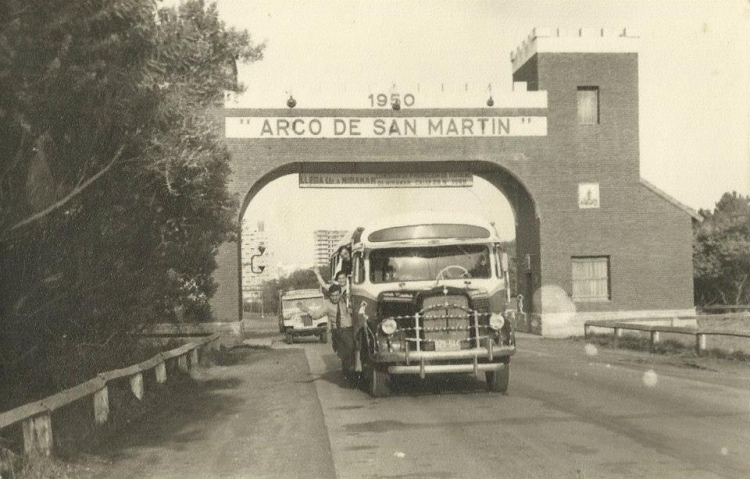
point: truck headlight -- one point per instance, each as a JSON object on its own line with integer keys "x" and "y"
{"x": 497, "y": 321}
{"x": 388, "y": 326}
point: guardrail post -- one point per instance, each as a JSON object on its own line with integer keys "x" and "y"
{"x": 617, "y": 334}
{"x": 161, "y": 372}
{"x": 182, "y": 363}
{"x": 194, "y": 358}
{"x": 101, "y": 405}
{"x": 700, "y": 344}
{"x": 37, "y": 434}
{"x": 136, "y": 385}
{"x": 654, "y": 339}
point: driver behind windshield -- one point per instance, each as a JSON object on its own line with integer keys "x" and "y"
{"x": 427, "y": 263}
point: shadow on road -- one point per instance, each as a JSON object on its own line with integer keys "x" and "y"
{"x": 174, "y": 417}
{"x": 407, "y": 385}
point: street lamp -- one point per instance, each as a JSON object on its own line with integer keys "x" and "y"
{"x": 259, "y": 268}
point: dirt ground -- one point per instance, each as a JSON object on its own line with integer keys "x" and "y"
{"x": 255, "y": 413}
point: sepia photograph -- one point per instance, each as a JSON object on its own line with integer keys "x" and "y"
{"x": 312, "y": 239}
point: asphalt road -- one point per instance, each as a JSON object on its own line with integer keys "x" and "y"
{"x": 572, "y": 411}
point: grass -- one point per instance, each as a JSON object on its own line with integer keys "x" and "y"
{"x": 75, "y": 435}
{"x": 58, "y": 369}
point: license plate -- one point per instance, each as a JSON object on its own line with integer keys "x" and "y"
{"x": 447, "y": 345}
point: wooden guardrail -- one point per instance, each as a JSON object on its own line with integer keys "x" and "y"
{"x": 733, "y": 307}
{"x": 36, "y": 417}
{"x": 655, "y": 330}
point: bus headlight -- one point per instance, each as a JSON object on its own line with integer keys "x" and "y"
{"x": 388, "y": 326}
{"x": 497, "y": 321}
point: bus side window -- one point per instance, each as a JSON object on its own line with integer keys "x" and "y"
{"x": 333, "y": 267}
{"x": 358, "y": 273}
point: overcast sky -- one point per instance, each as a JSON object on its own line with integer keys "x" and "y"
{"x": 694, "y": 74}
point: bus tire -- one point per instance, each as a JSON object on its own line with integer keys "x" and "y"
{"x": 378, "y": 382}
{"x": 497, "y": 381}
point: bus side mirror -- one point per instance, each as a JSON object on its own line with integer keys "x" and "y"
{"x": 504, "y": 262}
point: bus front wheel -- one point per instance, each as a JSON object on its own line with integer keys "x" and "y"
{"x": 497, "y": 381}
{"x": 377, "y": 381}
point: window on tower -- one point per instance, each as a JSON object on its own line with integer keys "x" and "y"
{"x": 588, "y": 105}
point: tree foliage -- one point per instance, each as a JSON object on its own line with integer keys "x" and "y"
{"x": 113, "y": 195}
{"x": 721, "y": 253}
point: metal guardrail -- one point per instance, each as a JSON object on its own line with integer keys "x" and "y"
{"x": 36, "y": 417}
{"x": 700, "y": 334}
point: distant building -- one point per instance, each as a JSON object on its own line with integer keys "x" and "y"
{"x": 325, "y": 243}
{"x": 252, "y": 239}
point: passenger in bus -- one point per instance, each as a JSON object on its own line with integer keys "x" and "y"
{"x": 341, "y": 326}
{"x": 344, "y": 261}
{"x": 341, "y": 280}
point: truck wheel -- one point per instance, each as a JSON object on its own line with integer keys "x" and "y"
{"x": 289, "y": 338}
{"x": 497, "y": 381}
{"x": 323, "y": 338}
{"x": 378, "y": 382}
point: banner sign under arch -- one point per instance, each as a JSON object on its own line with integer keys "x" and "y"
{"x": 386, "y": 180}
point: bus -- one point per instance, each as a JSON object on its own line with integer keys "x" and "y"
{"x": 429, "y": 293}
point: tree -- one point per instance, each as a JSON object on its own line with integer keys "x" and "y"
{"x": 113, "y": 197}
{"x": 721, "y": 253}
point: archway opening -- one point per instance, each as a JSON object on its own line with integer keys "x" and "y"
{"x": 296, "y": 226}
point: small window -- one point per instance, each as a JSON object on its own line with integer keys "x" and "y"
{"x": 429, "y": 231}
{"x": 358, "y": 272}
{"x": 591, "y": 279}
{"x": 588, "y": 105}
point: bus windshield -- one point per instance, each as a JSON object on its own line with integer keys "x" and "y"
{"x": 427, "y": 262}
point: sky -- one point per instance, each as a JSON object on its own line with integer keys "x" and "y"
{"x": 290, "y": 230}
{"x": 694, "y": 75}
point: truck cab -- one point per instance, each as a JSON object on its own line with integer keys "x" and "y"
{"x": 295, "y": 323}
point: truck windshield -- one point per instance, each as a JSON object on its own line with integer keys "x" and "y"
{"x": 426, "y": 263}
{"x": 289, "y": 306}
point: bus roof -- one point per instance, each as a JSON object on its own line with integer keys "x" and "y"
{"x": 428, "y": 226}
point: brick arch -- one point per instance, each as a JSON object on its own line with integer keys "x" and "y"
{"x": 517, "y": 194}
{"x": 512, "y": 187}
{"x": 574, "y": 185}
